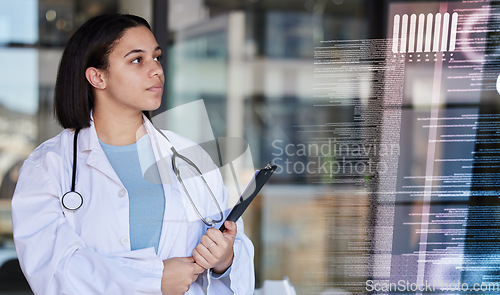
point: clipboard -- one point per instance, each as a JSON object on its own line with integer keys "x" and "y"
{"x": 254, "y": 186}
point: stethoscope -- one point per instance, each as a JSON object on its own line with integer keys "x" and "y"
{"x": 72, "y": 200}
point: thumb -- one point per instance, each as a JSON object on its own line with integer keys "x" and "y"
{"x": 231, "y": 229}
{"x": 189, "y": 259}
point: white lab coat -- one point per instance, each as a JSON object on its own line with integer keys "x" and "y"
{"x": 87, "y": 251}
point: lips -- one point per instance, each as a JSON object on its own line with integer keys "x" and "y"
{"x": 156, "y": 87}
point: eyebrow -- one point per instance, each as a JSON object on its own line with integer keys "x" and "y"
{"x": 140, "y": 51}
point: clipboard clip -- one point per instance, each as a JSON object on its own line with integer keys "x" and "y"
{"x": 269, "y": 168}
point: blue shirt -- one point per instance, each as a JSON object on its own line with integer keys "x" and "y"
{"x": 146, "y": 197}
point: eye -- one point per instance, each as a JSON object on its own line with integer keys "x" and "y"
{"x": 158, "y": 58}
{"x": 137, "y": 60}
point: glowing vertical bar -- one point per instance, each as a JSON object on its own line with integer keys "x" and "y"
{"x": 420, "y": 32}
{"x": 437, "y": 31}
{"x": 444, "y": 39}
{"x": 404, "y": 32}
{"x": 411, "y": 38}
{"x": 428, "y": 33}
{"x": 453, "y": 34}
{"x": 395, "y": 33}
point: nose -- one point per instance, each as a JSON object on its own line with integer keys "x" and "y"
{"x": 156, "y": 70}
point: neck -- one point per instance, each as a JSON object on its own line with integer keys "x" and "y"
{"x": 117, "y": 128}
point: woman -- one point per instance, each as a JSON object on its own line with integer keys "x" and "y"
{"x": 126, "y": 234}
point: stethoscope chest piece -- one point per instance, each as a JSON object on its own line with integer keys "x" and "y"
{"x": 72, "y": 200}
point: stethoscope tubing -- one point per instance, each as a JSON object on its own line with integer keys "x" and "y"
{"x": 208, "y": 221}
{"x": 75, "y": 146}
{"x": 72, "y": 200}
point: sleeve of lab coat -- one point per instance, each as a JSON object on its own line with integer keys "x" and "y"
{"x": 240, "y": 278}
{"x": 55, "y": 260}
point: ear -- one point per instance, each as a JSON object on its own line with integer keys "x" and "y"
{"x": 95, "y": 78}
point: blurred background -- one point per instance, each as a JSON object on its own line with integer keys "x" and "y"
{"x": 385, "y": 139}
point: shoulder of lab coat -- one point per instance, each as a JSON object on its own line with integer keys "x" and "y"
{"x": 53, "y": 257}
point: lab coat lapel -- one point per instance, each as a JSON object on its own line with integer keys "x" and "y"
{"x": 88, "y": 141}
{"x": 173, "y": 215}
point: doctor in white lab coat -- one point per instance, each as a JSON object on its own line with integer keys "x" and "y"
{"x": 88, "y": 250}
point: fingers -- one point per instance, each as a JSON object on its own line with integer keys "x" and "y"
{"x": 179, "y": 273}
{"x": 208, "y": 253}
{"x": 231, "y": 229}
{"x": 207, "y": 241}
{"x": 200, "y": 259}
{"x": 219, "y": 245}
{"x": 196, "y": 269}
{"x": 189, "y": 259}
{"x": 216, "y": 237}
{"x": 215, "y": 250}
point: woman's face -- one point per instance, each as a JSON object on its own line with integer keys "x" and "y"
{"x": 134, "y": 78}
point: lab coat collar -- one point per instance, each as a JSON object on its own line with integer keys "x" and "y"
{"x": 89, "y": 142}
{"x": 87, "y": 138}
{"x": 163, "y": 150}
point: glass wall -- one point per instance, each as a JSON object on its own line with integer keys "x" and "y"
{"x": 381, "y": 116}
{"x": 253, "y": 64}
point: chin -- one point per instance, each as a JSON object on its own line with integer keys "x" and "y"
{"x": 153, "y": 106}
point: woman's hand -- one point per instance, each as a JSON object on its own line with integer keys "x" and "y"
{"x": 178, "y": 274}
{"x": 215, "y": 250}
